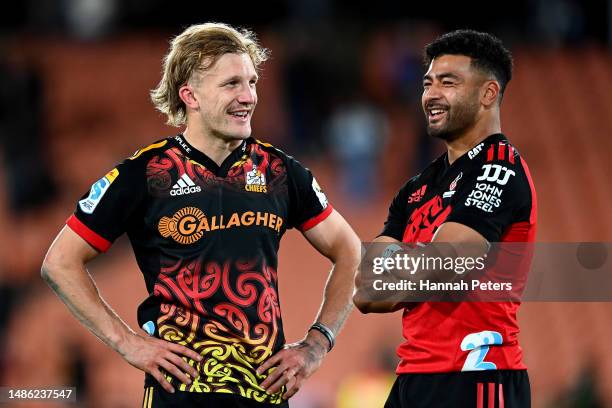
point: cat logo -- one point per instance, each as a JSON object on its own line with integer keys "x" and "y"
{"x": 474, "y": 152}
{"x": 255, "y": 181}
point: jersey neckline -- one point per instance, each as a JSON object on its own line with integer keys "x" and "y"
{"x": 494, "y": 138}
{"x": 220, "y": 171}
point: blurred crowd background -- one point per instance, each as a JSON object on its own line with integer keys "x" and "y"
{"x": 342, "y": 94}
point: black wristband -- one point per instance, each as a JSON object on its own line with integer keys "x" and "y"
{"x": 325, "y": 331}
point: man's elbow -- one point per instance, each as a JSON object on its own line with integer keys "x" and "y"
{"x": 47, "y": 270}
{"x": 367, "y": 305}
{"x": 344, "y": 242}
{"x": 52, "y": 266}
{"x": 363, "y": 305}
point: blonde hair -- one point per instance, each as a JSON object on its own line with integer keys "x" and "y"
{"x": 198, "y": 45}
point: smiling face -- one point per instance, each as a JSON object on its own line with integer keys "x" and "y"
{"x": 226, "y": 97}
{"x": 451, "y": 96}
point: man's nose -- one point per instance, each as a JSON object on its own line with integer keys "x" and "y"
{"x": 430, "y": 94}
{"x": 247, "y": 94}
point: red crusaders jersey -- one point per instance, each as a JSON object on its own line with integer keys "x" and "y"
{"x": 490, "y": 190}
{"x": 206, "y": 239}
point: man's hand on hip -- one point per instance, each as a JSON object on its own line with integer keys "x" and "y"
{"x": 151, "y": 354}
{"x": 292, "y": 365}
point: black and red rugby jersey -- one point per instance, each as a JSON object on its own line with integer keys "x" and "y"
{"x": 206, "y": 239}
{"x": 490, "y": 190}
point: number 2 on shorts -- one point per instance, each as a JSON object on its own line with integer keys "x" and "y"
{"x": 478, "y": 345}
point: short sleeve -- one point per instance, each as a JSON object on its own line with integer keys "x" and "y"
{"x": 308, "y": 203}
{"x": 490, "y": 199}
{"x": 106, "y": 211}
{"x": 397, "y": 218}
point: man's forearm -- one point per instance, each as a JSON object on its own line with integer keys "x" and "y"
{"x": 77, "y": 290}
{"x": 298, "y": 361}
{"x": 335, "y": 240}
{"x": 337, "y": 297}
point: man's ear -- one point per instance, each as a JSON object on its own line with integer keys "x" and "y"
{"x": 187, "y": 95}
{"x": 490, "y": 93}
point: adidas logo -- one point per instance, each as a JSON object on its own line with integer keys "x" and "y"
{"x": 417, "y": 195}
{"x": 184, "y": 186}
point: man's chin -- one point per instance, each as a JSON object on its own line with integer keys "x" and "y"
{"x": 232, "y": 136}
{"x": 243, "y": 133}
{"x": 439, "y": 133}
{"x": 238, "y": 134}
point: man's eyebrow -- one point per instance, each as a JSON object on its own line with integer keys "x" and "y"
{"x": 238, "y": 78}
{"x": 231, "y": 79}
{"x": 442, "y": 76}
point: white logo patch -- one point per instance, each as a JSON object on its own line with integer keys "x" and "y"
{"x": 98, "y": 189}
{"x": 474, "y": 152}
{"x": 452, "y": 186}
{"x": 180, "y": 140}
{"x": 255, "y": 177}
{"x": 255, "y": 181}
{"x": 184, "y": 186}
{"x": 485, "y": 196}
{"x": 320, "y": 194}
{"x": 497, "y": 174}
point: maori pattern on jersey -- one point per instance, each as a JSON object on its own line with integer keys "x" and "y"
{"x": 172, "y": 164}
{"x": 229, "y": 313}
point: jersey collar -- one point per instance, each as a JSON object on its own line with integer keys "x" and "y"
{"x": 492, "y": 139}
{"x": 200, "y": 157}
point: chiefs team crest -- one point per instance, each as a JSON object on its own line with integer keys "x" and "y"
{"x": 255, "y": 181}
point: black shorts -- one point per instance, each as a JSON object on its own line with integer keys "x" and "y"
{"x": 473, "y": 389}
{"x": 157, "y": 397}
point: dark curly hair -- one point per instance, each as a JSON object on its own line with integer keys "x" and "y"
{"x": 486, "y": 51}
